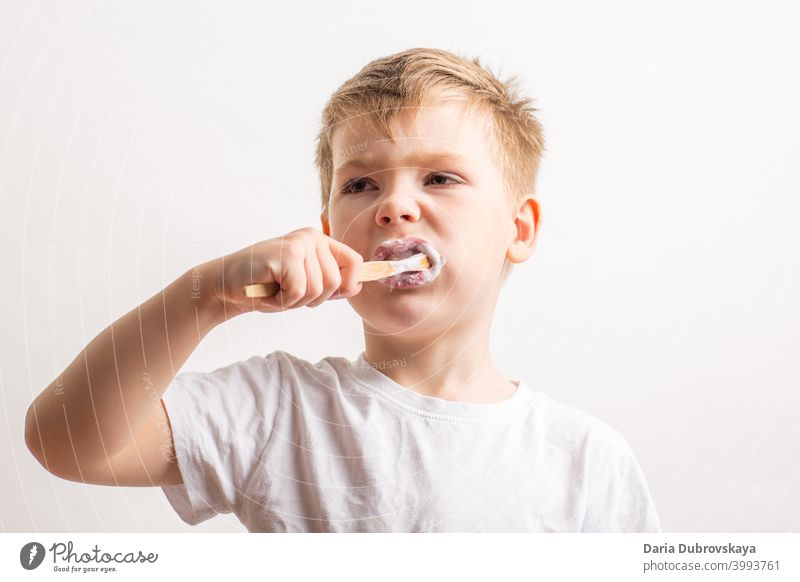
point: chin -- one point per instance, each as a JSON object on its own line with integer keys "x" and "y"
{"x": 400, "y": 313}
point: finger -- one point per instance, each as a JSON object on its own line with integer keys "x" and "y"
{"x": 291, "y": 277}
{"x": 331, "y": 275}
{"x": 314, "y": 277}
{"x": 341, "y": 252}
{"x": 349, "y": 262}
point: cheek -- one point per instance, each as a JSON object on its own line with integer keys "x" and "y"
{"x": 482, "y": 250}
{"x": 345, "y": 227}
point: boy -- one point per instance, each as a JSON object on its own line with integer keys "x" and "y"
{"x": 420, "y": 432}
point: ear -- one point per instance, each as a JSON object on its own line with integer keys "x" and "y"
{"x": 326, "y": 228}
{"x": 526, "y": 227}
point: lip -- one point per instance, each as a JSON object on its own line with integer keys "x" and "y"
{"x": 404, "y": 247}
{"x": 386, "y": 247}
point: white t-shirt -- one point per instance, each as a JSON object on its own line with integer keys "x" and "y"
{"x": 337, "y": 446}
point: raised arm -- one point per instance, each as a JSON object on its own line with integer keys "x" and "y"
{"x": 103, "y": 420}
{"x": 112, "y": 390}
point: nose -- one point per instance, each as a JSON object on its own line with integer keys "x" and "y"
{"x": 397, "y": 209}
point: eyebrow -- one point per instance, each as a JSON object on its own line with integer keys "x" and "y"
{"x": 417, "y": 159}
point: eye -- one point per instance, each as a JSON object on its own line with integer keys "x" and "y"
{"x": 357, "y": 185}
{"x": 436, "y": 175}
{"x": 348, "y": 187}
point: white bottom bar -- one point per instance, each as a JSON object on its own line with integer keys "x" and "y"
{"x": 404, "y": 557}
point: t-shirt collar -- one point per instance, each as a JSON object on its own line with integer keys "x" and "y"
{"x": 375, "y": 380}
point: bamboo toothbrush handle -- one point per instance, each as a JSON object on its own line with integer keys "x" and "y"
{"x": 370, "y": 271}
{"x": 374, "y": 270}
{"x": 269, "y": 289}
{"x": 261, "y": 289}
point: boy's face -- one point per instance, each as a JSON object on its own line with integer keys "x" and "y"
{"x": 438, "y": 181}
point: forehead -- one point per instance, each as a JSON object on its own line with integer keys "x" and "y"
{"x": 445, "y": 129}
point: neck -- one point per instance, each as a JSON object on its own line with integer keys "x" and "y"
{"x": 455, "y": 365}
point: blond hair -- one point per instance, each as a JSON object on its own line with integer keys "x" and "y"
{"x": 392, "y": 88}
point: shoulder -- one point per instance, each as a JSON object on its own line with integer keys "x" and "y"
{"x": 261, "y": 378}
{"x": 615, "y": 495}
{"x": 594, "y": 447}
{"x": 277, "y": 365}
{"x": 574, "y": 427}
{"x": 295, "y": 367}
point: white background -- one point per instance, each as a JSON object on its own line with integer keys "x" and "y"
{"x": 137, "y": 139}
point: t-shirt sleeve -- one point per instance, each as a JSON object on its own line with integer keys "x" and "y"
{"x": 221, "y": 422}
{"x": 619, "y": 499}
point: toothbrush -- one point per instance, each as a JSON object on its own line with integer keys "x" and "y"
{"x": 370, "y": 271}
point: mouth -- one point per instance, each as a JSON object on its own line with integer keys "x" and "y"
{"x": 402, "y": 248}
